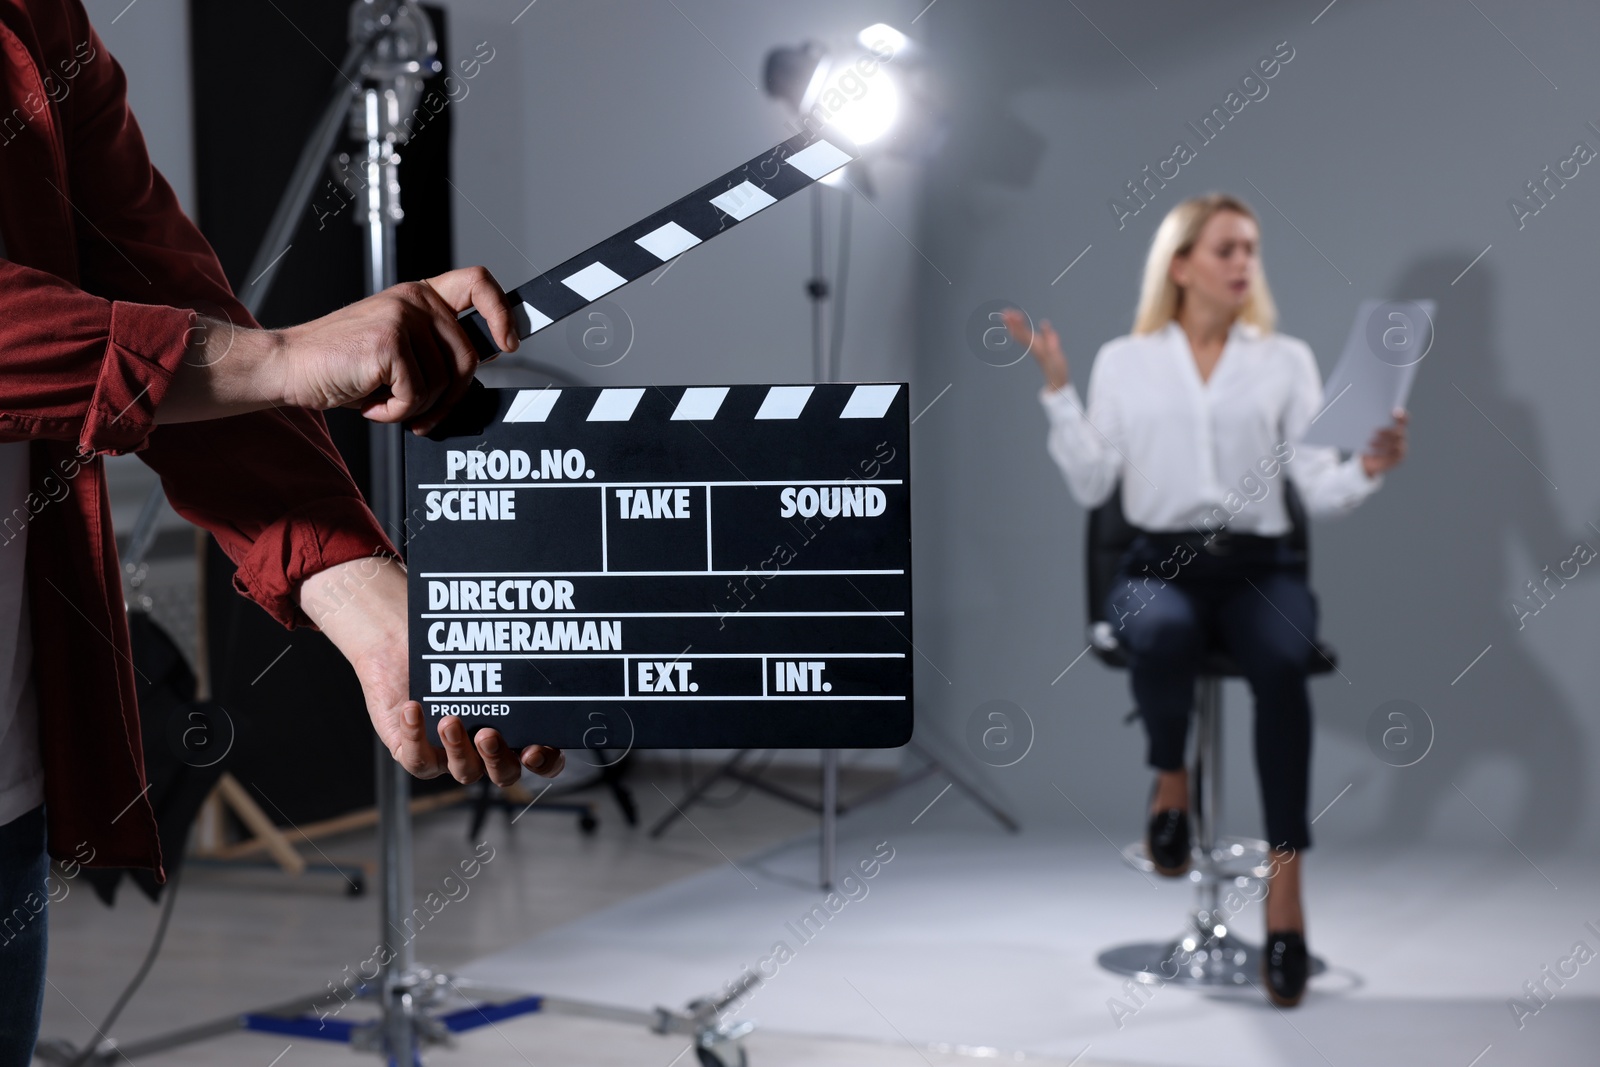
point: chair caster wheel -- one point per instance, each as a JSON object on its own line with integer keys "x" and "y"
{"x": 587, "y": 824}
{"x": 357, "y": 886}
{"x": 730, "y": 1056}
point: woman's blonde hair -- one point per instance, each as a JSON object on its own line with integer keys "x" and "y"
{"x": 1160, "y": 297}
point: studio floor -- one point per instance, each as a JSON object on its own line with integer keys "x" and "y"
{"x": 969, "y": 945}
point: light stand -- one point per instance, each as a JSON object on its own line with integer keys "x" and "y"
{"x": 826, "y": 367}
{"x": 400, "y": 60}
{"x": 392, "y": 50}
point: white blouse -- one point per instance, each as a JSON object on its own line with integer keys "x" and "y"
{"x": 1195, "y": 455}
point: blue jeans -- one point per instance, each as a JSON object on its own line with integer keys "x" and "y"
{"x": 1257, "y": 607}
{"x": 24, "y": 866}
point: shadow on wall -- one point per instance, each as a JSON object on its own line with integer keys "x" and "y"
{"x": 1466, "y": 498}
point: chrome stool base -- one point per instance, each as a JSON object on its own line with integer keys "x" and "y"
{"x": 1225, "y": 961}
{"x": 1207, "y": 954}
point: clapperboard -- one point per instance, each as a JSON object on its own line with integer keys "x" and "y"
{"x": 666, "y": 567}
{"x": 641, "y": 248}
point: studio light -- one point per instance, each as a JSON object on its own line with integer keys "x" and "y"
{"x": 851, "y": 92}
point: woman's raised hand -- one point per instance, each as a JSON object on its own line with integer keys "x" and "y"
{"x": 1044, "y": 345}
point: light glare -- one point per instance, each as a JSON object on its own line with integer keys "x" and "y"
{"x": 860, "y": 106}
{"x": 882, "y": 38}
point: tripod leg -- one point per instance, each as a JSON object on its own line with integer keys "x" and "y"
{"x": 696, "y": 793}
{"x": 830, "y": 814}
{"x": 1000, "y": 815}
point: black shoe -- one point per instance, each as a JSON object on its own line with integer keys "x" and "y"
{"x": 1284, "y": 966}
{"x": 1166, "y": 842}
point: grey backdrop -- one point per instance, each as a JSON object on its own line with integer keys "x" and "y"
{"x": 1388, "y": 146}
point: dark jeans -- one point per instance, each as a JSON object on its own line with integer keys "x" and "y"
{"x": 1169, "y": 604}
{"x": 23, "y": 913}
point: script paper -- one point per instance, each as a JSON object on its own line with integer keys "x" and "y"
{"x": 1387, "y": 341}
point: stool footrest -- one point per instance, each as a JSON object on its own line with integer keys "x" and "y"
{"x": 1231, "y": 858}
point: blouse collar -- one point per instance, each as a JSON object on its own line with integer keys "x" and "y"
{"x": 1239, "y": 331}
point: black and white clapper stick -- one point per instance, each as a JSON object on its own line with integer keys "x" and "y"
{"x": 779, "y": 172}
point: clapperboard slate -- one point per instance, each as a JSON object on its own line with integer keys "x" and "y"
{"x": 715, "y": 567}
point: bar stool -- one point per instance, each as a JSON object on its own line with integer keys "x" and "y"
{"x": 1207, "y": 952}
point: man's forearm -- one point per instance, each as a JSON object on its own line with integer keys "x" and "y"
{"x": 228, "y": 370}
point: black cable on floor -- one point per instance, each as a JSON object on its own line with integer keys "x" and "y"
{"x": 139, "y": 977}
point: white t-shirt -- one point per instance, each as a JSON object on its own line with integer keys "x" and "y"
{"x": 1191, "y": 454}
{"x": 21, "y": 773}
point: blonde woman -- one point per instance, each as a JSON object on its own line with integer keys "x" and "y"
{"x": 1196, "y": 414}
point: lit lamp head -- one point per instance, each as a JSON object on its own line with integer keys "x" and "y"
{"x": 852, "y": 94}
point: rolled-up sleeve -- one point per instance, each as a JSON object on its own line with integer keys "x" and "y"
{"x": 82, "y": 369}
{"x": 145, "y": 347}
{"x": 309, "y": 539}
{"x": 269, "y": 485}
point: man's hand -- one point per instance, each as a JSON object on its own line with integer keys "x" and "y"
{"x": 361, "y": 606}
{"x": 399, "y": 355}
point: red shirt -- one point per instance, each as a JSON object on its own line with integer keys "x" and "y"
{"x": 98, "y": 293}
